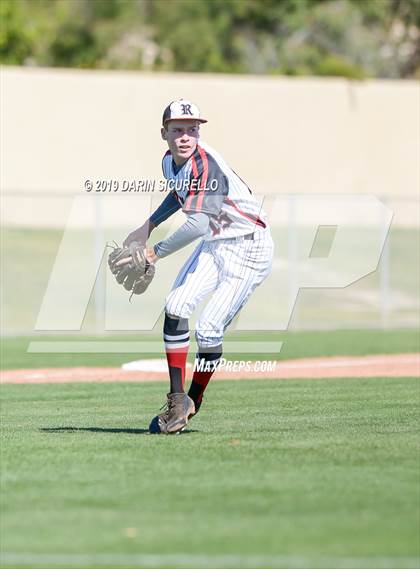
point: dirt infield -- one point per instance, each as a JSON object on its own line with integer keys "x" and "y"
{"x": 398, "y": 365}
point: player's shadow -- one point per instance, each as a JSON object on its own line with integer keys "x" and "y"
{"x": 102, "y": 430}
{"x": 94, "y": 430}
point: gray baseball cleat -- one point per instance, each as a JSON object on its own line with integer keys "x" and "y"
{"x": 179, "y": 408}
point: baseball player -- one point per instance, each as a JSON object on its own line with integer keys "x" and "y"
{"x": 233, "y": 257}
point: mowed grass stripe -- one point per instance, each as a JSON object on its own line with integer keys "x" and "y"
{"x": 187, "y": 561}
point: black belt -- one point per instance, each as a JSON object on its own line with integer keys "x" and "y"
{"x": 250, "y": 236}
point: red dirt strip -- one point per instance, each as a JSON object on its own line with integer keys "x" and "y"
{"x": 390, "y": 365}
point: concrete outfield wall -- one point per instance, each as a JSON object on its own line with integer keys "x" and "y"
{"x": 59, "y": 127}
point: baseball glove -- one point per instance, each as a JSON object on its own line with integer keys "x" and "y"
{"x": 131, "y": 268}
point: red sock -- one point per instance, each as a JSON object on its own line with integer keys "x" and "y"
{"x": 198, "y": 385}
{"x": 177, "y": 361}
{"x": 205, "y": 366}
{"x": 177, "y": 342}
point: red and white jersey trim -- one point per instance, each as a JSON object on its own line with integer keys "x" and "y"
{"x": 239, "y": 213}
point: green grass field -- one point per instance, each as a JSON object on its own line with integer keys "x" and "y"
{"x": 296, "y": 473}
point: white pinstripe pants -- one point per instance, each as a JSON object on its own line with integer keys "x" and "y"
{"x": 230, "y": 269}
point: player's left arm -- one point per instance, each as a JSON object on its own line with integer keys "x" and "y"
{"x": 196, "y": 226}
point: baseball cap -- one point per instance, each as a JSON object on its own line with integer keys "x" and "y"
{"x": 181, "y": 109}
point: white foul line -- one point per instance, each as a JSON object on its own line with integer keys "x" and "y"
{"x": 191, "y": 561}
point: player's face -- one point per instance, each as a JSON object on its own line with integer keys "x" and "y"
{"x": 182, "y": 138}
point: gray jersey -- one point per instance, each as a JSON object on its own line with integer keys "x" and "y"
{"x": 206, "y": 184}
